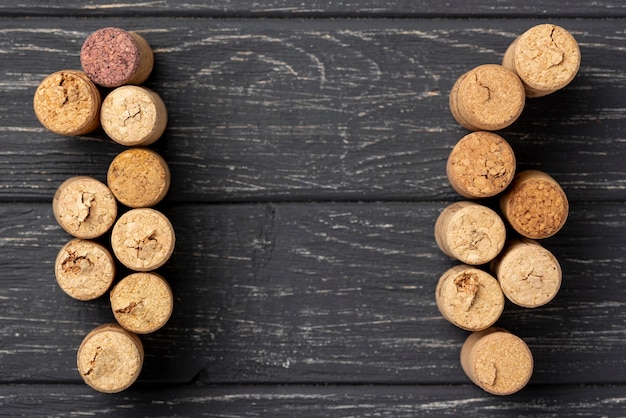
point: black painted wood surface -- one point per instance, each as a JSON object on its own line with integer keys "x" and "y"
{"x": 308, "y": 165}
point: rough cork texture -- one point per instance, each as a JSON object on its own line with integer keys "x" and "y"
{"x": 84, "y": 269}
{"x": 546, "y": 58}
{"x": 84, "y": 207}
{"x": 482, "y": 164}
{"x": 497, "y": 361}
{"x": 529, "y": 274}
{"x": 139, "y": 177}
{"x": 487, "y": 98}
{"x": 68, "y": 103}
{"x": 112, "y": 57}
{"x": 133, "y": 116}
{"x": 143, "y": 239}
{"x": 472, "y": 233}
{"x": 142, "y": 302}
{"x": 535, "y": 205}
{"x": 110, "y": 358}
{"x": 469, "y": 298}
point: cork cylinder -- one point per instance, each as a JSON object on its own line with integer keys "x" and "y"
{"x": 487, "y": 98}
{"x": 535, "y": 205}
{"x": 133, "y": 116}
{"x": 546, "y": 58}
{"x": 469, "y": 298}
{"x": 110, "y": 358}
{"x": 84, "y": 207}
{"x": 143, "y": 239}
{"x": 68, "y": 103}
{"x": 497, "y": 361}
{"x": 470, "y": 232}
{"x": 139, "y": 177}
{"x": 112, "y": 57}
{"x": 482, "y": 164}
{"x": 142, "y": 302}
{"x": 84, "y": 269}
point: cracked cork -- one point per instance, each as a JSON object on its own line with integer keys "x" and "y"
{"x": 84, "y": 269}
{"x": 482, "y": 164}
{"x": 84, "y": 207}
{"x": 142, "y": 302}
{"x": 133, "y": 116}
{"x": 497, "y": 361}
{"x": 469, "y": 298}
{"x": 110, "y": 358}
{"x": 546, "y": 58}
{"x": 68, "y": 103}
{"x": 487, "y": 98}
{"x": 143, "y": 239}
{"x": 472, "y": 233}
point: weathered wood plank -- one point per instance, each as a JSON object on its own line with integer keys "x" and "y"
{"x": 287, "y": 109}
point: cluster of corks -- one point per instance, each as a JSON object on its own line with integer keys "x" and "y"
{"x": 494, "y": 266}
{"x": 107, "y": 93}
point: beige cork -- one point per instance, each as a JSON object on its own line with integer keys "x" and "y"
{"x": 469, "y": 298}
{"x": 133, "y": 116}
{"x": 68, "y": 103}
{"x": 535, "y": 205}
{"x": 497, "y": 361}
{"x": 84, "y": 269}
{"x": 110, "y": 358}
{"x": 487, "y": 98}
{"x": 84, "y": 207}
{"x": 482, "y": 164}
{"x": 143, "y": 239}
{"x": 139, "y": 177}
{"x": 546, "y": 58}
{"x": 529, "y": 274}
{"x": 470, "y": 232}
{"x": 142, "y": 302}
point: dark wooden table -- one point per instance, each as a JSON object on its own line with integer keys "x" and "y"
{"x": 307, "y": 143}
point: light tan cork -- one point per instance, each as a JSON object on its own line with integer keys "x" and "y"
{"x": 497, "y": 361}
{"x": 142, "y": 302}
{"x": 68, "y": 103}
{"x": 133, "y": 116}
{"x": 546, "y": 58}
{"x": 529, "y": 274}
{"x": 110, "y": 358}
{"x": 143, "y": 239}
{"x": 84, "y": 269}
{"x": 482, "y": 164}
{"x": 470, "y": 232}
{"x": 469, "y": 298}
{"x": 84, "y": 207}
{"x": 139, "y": 177}
{"x": 487, "y": 98}
{"x": 535, "y": 205}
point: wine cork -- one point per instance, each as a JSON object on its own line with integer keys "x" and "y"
{"x": 470, "y": 232}
{"x": 487, "y": 98}
{"x": 110, "y": 358}
{"x": 84, "y": 207}
{"x": 68, "y": 103}
{"x": 482, "y": 164}
{"x": 529, "y": 274}
{"x": 142, "y": 302}
{"x": 133, "y": 116}
{"x": 143, "y": 239}
{"x": 535, "y": 205}
{"x": 546, "y": 58}
{"x": 84, "y": 269}
{"x": 497, "y": 361}
{"x": 112, "y": 57}
{"x": 469, "y": 298}
{"x": 139, "y": 177}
